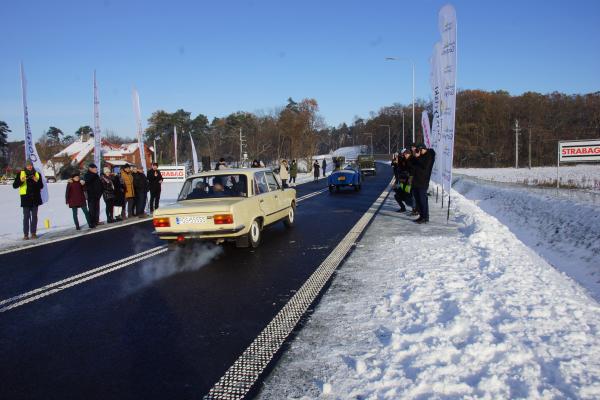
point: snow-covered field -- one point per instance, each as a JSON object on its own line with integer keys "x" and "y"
{"x": 579, "y": 176}
{"x": 458, "y": 310}
{"x": 55, "y": 210}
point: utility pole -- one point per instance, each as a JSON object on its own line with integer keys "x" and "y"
{"x": 529, "y": 142}
{"x": 517, "y": 132}
{"x": 241, "y": 146}
{"x": 403, "y": 146}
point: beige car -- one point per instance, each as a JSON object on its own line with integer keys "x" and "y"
{"x": 227, "y": 205}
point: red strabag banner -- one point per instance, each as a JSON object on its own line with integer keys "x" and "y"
{"x": 172, "y": 173}
{"x": 579, "y": 151}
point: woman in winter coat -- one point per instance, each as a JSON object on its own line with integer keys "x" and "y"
{"x": 119, "y": 201}
{"x": 75, "y": 199}
{"x": 316, "y": 168}
{"x": 284, "y": 172}
{"x": 128, "y": 190}
{"x": 108, "y": 194}
{"x": 293, "y": 172}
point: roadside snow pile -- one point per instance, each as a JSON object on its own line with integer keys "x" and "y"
{"x": 580, "y": 176}
{"x": 351, "y": 153}
{"x": 444, "y": 311}
{"x": 55, "y": 210}
{"x": 565, "y": 230}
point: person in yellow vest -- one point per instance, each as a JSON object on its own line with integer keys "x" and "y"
{"x": 29, "y": 182}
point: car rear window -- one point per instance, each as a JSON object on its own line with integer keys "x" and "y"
{"x": 214, "y": 186}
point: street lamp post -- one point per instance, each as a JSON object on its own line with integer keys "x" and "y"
{"x": 403, "y": 146}
{"x": 413, "y": 89}
{"x": 389, "y": 138}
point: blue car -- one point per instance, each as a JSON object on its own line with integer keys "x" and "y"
{"x": 348, "y": 177}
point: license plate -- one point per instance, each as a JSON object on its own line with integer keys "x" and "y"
{"x": 341, "y": 178}
{"x": 190, "y": 220}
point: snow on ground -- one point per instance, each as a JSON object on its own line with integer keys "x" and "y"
{"x": 581, "y": 176}
{"x": 456, "y": 310}
{"x": 562, "y": 227}
{"x": 55, "y": 210}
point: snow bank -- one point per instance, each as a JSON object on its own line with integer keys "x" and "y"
{"x": 562, "y": 227}
{"x": 56, "y": 211}
{"x": 444, "y": 311}
{"x": 351, "y": 153}
{"x": 580, "y": 176}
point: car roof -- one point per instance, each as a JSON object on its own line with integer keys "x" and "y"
{"x": 230, "y": 171}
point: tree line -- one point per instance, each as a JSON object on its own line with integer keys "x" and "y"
{"x": 485, "y": 134}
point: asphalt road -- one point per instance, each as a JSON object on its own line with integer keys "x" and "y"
{"x": 165, "y": 327}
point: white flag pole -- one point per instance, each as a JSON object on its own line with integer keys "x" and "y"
{"x": 97, "y": 134}
{"x": 138, "y": 117}
{"x": 194, "y": 155}
{"x": 31, "y": 153}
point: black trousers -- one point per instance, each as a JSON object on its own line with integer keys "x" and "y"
{"x": 94, "y": 209}
{"x": 110, "y": 204}
{"x": 422, "y": 202}
{"x": 30, "y": 220}
{"x": 403, "y": 198}
{"x": 129, "y": 205}
{"x": 154, "y": 200}
{"x": 140, "y": 203}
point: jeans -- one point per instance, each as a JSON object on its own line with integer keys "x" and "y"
{"x": 154, "y": 200}
{"x": 30, "y": 220}
{"x": 422, "y": 202}
{"x": 94, "y": 210}
{"x": 140, "y": 203}
{"x": 293, "y": 179}
{"x": 129, "y": 203}
{"x": 85, "y": 213}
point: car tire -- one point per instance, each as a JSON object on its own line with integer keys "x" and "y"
{"x": 337, "y": 188}
{"x": 291, "y": 217}
{"x": 254, "y": 234}
{"x": 356, "y": 188}
{"x": 331, "y": 189}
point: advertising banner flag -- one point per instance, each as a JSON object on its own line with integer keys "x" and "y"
{"x": 97, "y": 134}
{"x": 447, "y": 27}
{"x": 138, "y": 119}
{"x": 436, "y": 124}
{"x": 194, "y": 156}
{"x": 426, "y": 129}
{"x": 31, "y": 152}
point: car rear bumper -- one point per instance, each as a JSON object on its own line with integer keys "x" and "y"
{"x": 206, "y": 234}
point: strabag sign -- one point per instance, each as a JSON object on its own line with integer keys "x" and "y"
{"x": 172, "y": 173}
{"x": 579, "y": 150}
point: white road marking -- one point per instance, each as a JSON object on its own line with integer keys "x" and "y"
{"x": 244, "y": 372}
{"x": 47, "y": 290}
{"x": 309, "y": 195}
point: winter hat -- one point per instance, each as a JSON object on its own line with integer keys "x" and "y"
{"x": 29, "y": 162}
{"x": 75, "y": 173}
{"x": 126, "y": 166}
{"x": 421, "y": 146}
{"x": 92, "y": 165}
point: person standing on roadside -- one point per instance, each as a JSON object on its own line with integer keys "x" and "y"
{"x": 128, "y": 190}
{"x": 284, "y": 173}
{"x": 316, "y": 170}
{"x": 155, "y": 181}
{"x": 119, "y": 201}
{"x": 140, "y": 186}
{"x": 108, "y": 194}
{"x": 255, "y": 164}
{"x": 29, "y": 182}
{"x": 324, "y": 168}
{"x": 293, "y": 172}
{"x": 221, "y": 164}
{"x": 423, "y": 164}
{"x": 75, "y": 199}
{"x": 93, "y": 188}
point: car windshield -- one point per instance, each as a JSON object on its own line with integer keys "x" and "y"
{"x": 214, "y": 186}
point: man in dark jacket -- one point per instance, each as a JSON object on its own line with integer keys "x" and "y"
{"x": 423, "y": 165}
{"x": 29, "y": 182}
{"x": 324, "y": 168}
{"x": 140, "y": 187}
{"x": 155, "y": 180}
{"x": 94, "y": 189}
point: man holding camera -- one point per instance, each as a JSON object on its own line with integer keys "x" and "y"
{"x": 29, "y": 182}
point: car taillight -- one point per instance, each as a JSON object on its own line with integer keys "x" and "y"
{"x": 221, "y": 219}
{"x": 161, "y": 222}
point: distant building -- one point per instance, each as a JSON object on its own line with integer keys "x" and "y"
{"x": 81, "y": 152}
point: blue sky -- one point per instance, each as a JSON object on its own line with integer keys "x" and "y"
{"x": 219, "y": 57}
